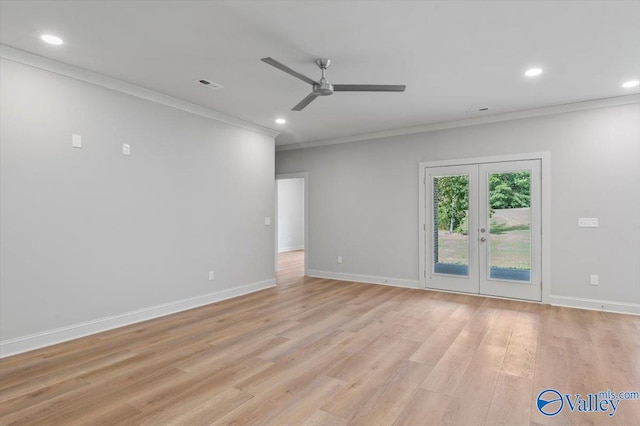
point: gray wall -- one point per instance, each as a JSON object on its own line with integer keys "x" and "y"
{"x": 88, "y": 233}
{"x": 290, "y": 214}
{"x": 364, "y": 196}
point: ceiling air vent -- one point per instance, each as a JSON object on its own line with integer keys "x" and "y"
{"x": 208, "y": 83}
{"x": 477, "y": 110}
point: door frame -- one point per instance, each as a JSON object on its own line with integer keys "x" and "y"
{"x": 305, "y": 177}
{"x": 545, "y": 210}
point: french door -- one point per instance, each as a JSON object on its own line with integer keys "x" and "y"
{"x": 483, "y": 229}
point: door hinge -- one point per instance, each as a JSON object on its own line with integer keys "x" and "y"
{"x": 424, "y": 226}
{"x": 425, "y": 273}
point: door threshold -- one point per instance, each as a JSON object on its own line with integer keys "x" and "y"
{"x": 539, "y": 302}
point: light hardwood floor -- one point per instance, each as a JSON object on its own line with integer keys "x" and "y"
{"x": 315, "y": 352}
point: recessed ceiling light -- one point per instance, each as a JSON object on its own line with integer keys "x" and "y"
{"x": 51, "y": 39}
{"x": 281, "y": 120}
{"x": 632, "y": 83}
{"x": 533, "y": 72}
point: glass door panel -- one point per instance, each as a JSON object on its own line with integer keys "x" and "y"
{"x": 451, "y": 239}
{"x": 451, "y": 225}
{"x": 509, "y": 238}
{"x": 510, "y": 241}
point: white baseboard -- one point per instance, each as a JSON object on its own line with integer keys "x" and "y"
{"x": 595, "y": 305}
{"x": 369, "y": 279}
{"x": 290, "y": 248}
{"x": 51, "y": 337}
{"x": 565, "y": 301}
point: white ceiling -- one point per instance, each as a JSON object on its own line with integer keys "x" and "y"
{"x": 453, "y": 56}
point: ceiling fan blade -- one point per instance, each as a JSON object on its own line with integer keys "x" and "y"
{"x": 369, "y": 87}
{"x": 283, "y": 67}
{"x": 303, "y": 103}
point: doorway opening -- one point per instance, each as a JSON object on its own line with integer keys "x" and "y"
{"x": 482, "y": 227}
{"x": 291, "y": 231}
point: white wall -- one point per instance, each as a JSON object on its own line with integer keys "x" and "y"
{"x": 89, "y": 233}
{"x": 364, "y": 197}
{"x": 290, "y": 214}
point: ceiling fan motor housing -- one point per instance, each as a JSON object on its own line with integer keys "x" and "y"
{"x": 323, "y": 88}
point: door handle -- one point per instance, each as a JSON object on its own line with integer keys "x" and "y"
{"x": 483, "y": 239}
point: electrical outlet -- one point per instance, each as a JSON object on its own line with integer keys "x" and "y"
{"x": 593, "y": 280}
{"x": 339, "y": 259}
{"x": 126, "y": 149}
{"x": 212, "y": 275}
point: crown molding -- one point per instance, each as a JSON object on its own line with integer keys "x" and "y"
{"x": 36, "y": 61}
{"x": 517, "y": 115}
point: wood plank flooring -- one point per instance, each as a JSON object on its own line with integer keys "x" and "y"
{"x": 324, "y": 352}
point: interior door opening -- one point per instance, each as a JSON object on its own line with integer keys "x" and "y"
{"x": 291, "y": 230}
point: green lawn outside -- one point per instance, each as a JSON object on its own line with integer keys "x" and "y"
{"x": 509, "y": 241}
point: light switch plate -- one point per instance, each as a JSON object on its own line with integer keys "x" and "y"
{"x": 267, "y": 221}
{"x": 76, "y": 141}
{"x": 587, "y": 222}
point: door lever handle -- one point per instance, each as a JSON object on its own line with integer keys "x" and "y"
{"x": 483, "y": 239}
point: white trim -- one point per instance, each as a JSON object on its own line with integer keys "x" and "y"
{"x": 517, "y": 115}
{"x": 563, "y": 301}
{"x": 595, "y": 305}
{"x": 545, "y": 201}
{"x": 36, "y": 61}
{"x": 368, "y": 279}
{"x": 52, "y": 337}
{"x": 290, "y": 248}
{"x": 489, "y": 159}
{"x": 545, "y": 211}
{"x": 306, "y": 245}
{"x": 422, "y": 224}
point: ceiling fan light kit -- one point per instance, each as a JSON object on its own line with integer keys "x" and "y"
{"x": 323, "y": 87}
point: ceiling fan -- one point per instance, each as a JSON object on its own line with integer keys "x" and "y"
{"x": 322, "y": 87}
